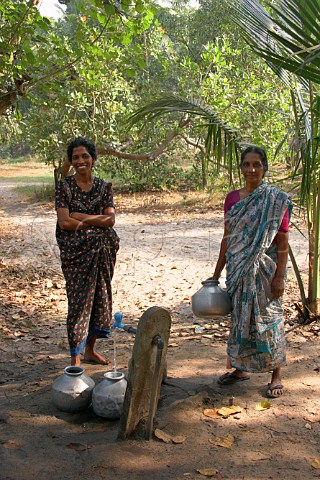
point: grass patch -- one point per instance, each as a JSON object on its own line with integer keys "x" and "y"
{"x": 27, "y": 179}
{"x": 36, "y": 193}
{"x": 25, "y": 160}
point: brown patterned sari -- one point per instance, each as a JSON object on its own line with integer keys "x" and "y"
{"x": 88, "y": 257}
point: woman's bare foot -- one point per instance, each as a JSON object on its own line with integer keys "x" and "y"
{"x": 96, "y": 358}
{"x": 75, "y": 361}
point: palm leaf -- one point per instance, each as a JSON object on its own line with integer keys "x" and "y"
{"x": 221, "y": 141}
{"x": 288, "y": 37}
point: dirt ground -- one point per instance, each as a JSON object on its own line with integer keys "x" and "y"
{"x": 168, "y": 246}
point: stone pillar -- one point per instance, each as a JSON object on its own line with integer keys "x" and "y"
{"x": 146, "y": 369}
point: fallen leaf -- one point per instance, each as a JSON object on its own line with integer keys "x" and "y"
{"x": 179, "y": 439}
{"x": 312, "y": 418}
{"x": 264, "y": 405}
{"x": 79, "y": 447}
{"x": 208, "y": 472}
{"x": 166, "y": 438}
{"x": 226, "y": 411}
{"x": 225, "y": 442}
{"x": 162, "y": 436}
{"x": 316, "y": 463}
{"x": 173, "y": 345}
{"x": 211, "y": 412}
{"x": 12, "y": 444}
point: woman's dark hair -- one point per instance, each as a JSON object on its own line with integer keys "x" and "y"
{"x": 82, "y": 142}
{"x": 260, "y": 151}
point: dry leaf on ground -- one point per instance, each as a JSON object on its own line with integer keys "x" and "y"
{"x": 12, "y": 444}
{"x": 208, "y": 472}
{"x": 225, "y": 442}
{"x": 166, "y": 438}
{"x": 179, "y": 439}
{"x": 226, "y": 411}
{"x": 264, "y": 405}
{"x": 79, "y": 447}
{"x": 316, "y": 463}
{"x": 211, "y": 412}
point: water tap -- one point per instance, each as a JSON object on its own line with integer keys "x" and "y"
{"x": 118, "y": 320}
{"x": 118, "y": 323}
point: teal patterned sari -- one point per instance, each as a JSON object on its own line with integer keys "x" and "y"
{"x": 257, "y": 340}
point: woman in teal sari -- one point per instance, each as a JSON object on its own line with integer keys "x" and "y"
{"x": 254, "y": 249}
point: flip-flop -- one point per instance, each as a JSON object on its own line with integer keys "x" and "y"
{"x": 271, "y": 387}
{"x": 229, "y": 378}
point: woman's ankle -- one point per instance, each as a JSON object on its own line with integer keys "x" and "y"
{"x": 75, "y": 361}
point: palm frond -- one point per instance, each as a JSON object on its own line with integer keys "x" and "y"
{"x": 288, "y": 38}
{"x": 221, "y": 141}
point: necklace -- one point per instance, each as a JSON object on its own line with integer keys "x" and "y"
{"x": 85, "y": 186}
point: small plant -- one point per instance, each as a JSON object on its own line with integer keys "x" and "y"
{"x": 36, "y": 193}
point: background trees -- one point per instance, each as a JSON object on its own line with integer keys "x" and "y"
{"x": 85, "y": 73}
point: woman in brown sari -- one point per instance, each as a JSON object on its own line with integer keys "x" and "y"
{"x": 88, "y": 246}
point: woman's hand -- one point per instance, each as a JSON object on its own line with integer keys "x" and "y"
{"x": 277, "y": 286}
{"x": 105, "y": 220}
{"x": 68, "y": 222}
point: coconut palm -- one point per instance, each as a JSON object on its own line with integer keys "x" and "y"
{"x": 221, "y": 142}
{"x": 287, "y": 36}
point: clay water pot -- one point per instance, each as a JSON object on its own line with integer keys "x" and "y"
{"x": 108, "y": 395}
{"x": 211, "y": 301}
{"x": 72, "y": 391}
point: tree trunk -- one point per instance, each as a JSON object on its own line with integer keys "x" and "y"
{"x": 204, "y": 171}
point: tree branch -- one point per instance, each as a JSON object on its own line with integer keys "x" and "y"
{"x": 194, "y": 144}
{"x": 117, "y": 151}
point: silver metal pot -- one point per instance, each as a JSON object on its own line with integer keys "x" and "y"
{"x": 211, "y": 300}
{"x": 108, "y": 395}
{"x": 72, "y": 391}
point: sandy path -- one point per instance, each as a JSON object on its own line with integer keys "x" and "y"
{"x": 162, "y": 260}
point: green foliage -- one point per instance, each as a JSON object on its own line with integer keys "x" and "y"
{"x": 286, "y": 34}
{"x": 97, "y": 64}
{"x": 159, "y": 174}
{"x": 36, "y": 193}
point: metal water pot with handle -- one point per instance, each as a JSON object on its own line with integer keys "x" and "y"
{"x": 211, "y": 300}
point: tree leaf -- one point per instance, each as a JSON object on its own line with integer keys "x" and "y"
{"x": 211, "y": 412}
{"x": 264, "y": 405}
{"x": 10, "y": 444}
{"x": 225, "y": 442}
{"x": 179, "y": 439}
{"x": 316, "y": 463}
{"x": 226, "y": 411}
{"x": 165, "y": 437}
{"x": 208, "y": 472}
{"x": 79, "y": 447}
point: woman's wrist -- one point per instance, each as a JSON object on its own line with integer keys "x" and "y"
{"x": 280, "y": 274}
